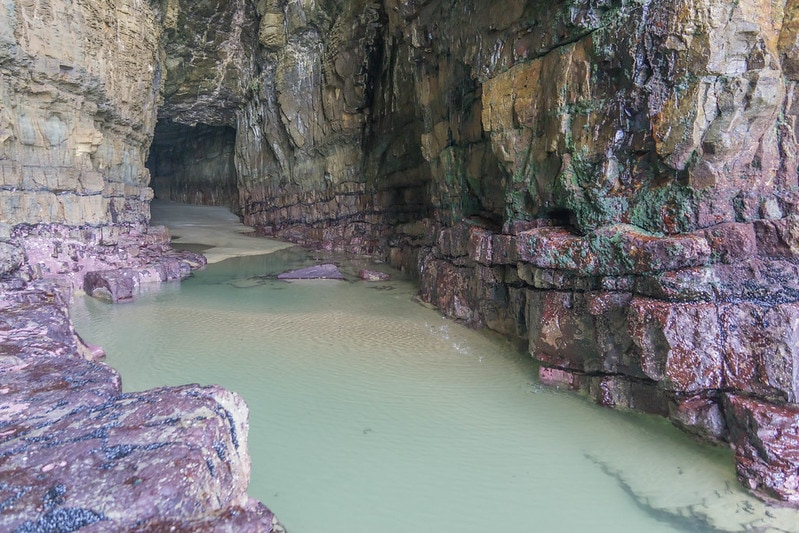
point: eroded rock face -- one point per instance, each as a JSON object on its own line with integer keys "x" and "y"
{"x": 300, "y": 159}
{"x": 77, "y": 452}
{"x": 764, "y": 437}
{"x": 613, "y": 182}
{"x": 79, "y": 87}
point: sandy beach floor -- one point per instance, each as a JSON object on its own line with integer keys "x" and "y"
{"x": 213, "y": 231}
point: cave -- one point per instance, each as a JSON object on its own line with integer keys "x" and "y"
{"x": 611, "y": 186}
{"x": 193, "y": 164}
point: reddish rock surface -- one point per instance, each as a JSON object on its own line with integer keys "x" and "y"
{"x": 666, "y": 325}
{"x": 76, "y": 451}
{"x": 765, "y": 437}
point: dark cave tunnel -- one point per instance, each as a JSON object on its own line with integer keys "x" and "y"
{"x": 194, "y": 164}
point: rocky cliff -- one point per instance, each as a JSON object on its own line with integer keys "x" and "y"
{"x": 613, "y": 182}
{"x": 80, "y": 87}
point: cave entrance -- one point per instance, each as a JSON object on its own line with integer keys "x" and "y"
{"x": 194, "y": 164}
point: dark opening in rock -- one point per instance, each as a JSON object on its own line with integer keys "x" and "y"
{"x": 562, "y": 217}
{"x": 194, "y": 164}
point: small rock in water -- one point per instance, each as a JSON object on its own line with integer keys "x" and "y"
{"x": 325, "y": 271}
{"x": 373, "y": 275}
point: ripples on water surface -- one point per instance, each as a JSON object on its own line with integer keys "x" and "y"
{"x": 372, "y": 413}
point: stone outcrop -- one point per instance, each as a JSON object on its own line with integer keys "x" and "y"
{"x": 323, "y": 271}
{"x": 76, "y": 451}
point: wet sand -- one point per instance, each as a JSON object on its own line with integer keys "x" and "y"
{"x": 214, "y": 231}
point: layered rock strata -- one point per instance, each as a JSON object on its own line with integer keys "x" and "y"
{"x": 80, "y": 84}
{"x": 77, "y": 452}
{"x": 79, "y": 87}
{"x": 613, "y": 181}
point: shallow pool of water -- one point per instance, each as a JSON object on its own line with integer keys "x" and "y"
{"x": 372, "y": 413}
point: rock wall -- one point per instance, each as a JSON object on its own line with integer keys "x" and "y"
{"x": 79, "y": 87}
{"x": 619, "y": 191}
{"x": 299, "y": 151}
{"x": 613, "y": 182}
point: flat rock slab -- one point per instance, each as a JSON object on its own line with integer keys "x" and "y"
{"x": 325, "y": 271}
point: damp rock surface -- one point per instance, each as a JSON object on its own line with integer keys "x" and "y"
{"x": 373, "y": 275}
{"x": 515, "y": 155}
{"x": 324, "y": 271}
{"x": 77, "y": 452}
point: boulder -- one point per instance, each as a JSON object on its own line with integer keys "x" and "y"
{"x": 10, "y": 258}
{"x": 765, "y": 437}
{"x": 113, "y": 286}
{"x": 324, "y": 271}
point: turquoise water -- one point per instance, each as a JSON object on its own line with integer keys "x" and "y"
{"x": 372, "y": 413}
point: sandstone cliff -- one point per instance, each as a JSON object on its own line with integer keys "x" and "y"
{"x": 614, "y": 182}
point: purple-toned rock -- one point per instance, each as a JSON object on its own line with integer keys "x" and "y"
{"x": 451, "y": 289}
{"x": 765, "y": 437}
{"x": 253, "y": 517}
{"x": 324, "y": 271}
{"x": 504, "y": 249}
{"x": 480, "y": 246}
{"x": 121, "y": 284}
{"x": 66, "y": 253}
{"x": 621, "y": 392}
{"x": 177, "y": 453}
{"x": 555, "y": 248}
{"x": 454, "y": 241}
{"x": 700, "y": 416}
{"x": 75, "y": 452}
{"x": 771, "y": 280}
{"x": 558, "y": 377}
{"x": 761, "y": 349}
{"x": 583, "y": 331}
{"x": 561, "y": 331}
{"x": 778, "y": 238}
{"x": 611, "y": 251}
{"x": 373, "y": 275}
{"x": 732, "y": 241}
{"x": 114, "y": 286}
{"x": 679, "y": 343}
{"x": 35, "y": 321}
